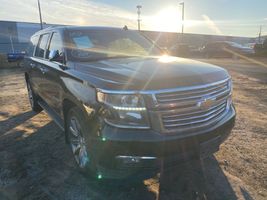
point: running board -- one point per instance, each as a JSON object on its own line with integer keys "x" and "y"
{"x": 52, "y": 114}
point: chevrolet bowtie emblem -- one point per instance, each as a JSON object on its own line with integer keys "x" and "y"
{"x": 206, "y": 103}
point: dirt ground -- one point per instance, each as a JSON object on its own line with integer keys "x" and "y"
{"x": 35, "y": 163}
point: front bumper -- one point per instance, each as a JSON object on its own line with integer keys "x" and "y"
{"x": 115, "y": 150}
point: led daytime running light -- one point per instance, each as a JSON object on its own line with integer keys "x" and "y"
{"x": 129, "y": 108}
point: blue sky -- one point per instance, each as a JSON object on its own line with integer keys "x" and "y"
{"x": 223, "y": 17}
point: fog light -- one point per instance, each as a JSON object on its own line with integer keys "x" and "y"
{"x": 134, "y": 159}
{"x": 131, "y": 160}
{"x": 99, "y": 176}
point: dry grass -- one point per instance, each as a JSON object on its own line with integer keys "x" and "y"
{"x": 5, "y": 64}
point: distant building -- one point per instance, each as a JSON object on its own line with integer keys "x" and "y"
{"x": 167, "y": 39}
{"x": 16, "y": 35}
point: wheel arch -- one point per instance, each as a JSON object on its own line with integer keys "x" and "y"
{"x": 67, "y": 104}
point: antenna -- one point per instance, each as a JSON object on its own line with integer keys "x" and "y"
{"x": 40, "y": 14}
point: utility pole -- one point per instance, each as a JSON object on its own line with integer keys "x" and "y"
{"x": 10, "y": 31}
{"x": 182, "y": 4}
{"x": 138, "y": 18}
{"x": 11, "y": 42}
{"x": 40, "y": 14}
{"x": 260, "y": 34}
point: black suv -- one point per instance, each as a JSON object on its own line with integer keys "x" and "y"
{"x": 124, "y": 106}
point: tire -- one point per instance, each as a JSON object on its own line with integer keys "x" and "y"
{"x": 33, "y": 98}
{"x": 78, "y": 138}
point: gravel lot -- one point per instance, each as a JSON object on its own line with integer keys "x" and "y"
{"x": 36, "y": 164}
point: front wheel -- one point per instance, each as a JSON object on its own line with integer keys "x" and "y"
{"x": 77, "y": 131}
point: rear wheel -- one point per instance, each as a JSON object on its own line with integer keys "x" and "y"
{"x": 33, "y": 99}
{"x": 77, "y": 133}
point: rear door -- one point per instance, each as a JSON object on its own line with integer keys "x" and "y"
{"x": 30, "y": 64}
{"x": 37, "y": 63}
{"x": 53, "y": 72}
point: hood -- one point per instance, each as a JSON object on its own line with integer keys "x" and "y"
{"x": 150, "y": 73}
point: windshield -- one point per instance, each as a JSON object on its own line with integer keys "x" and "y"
{"x": 100, "y": 44}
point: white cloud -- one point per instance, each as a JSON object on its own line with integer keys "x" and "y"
{"x": 80, "y": 12}
{"x": 211, "y": 24}
{"x": 91, "y": 12}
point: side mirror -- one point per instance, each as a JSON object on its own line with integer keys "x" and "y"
{"x": 55, "y": 56}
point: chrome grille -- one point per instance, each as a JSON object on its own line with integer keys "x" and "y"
{"x": 193, "y": 107}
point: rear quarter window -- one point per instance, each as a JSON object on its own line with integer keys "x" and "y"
{"x": 42, "y": 44}
{"x": 32, "y": 45}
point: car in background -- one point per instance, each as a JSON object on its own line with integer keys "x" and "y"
{"x": 250, "y": 45}
{"x": 184, "y": 50}
{"x": 261, "y": 48}
{"x": 15, "y": 56}
{"x": 226, "y": 49}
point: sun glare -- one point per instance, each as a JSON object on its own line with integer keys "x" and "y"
{"x": 167, "y": 59}
{"x": 168, "y": 19}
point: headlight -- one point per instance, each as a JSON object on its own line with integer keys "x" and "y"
{"x": 124, "y": 110}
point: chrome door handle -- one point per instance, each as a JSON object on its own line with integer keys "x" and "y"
{"x": 42, "y": 70}
{"x": 32, "y": 65}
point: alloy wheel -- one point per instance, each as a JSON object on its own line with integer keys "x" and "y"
{"x": 77, "y": 143}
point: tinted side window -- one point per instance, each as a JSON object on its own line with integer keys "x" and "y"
{"x": 32, "y": 45}
{"x": 40, "y": 50}
{"x": 56, "y": 45}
